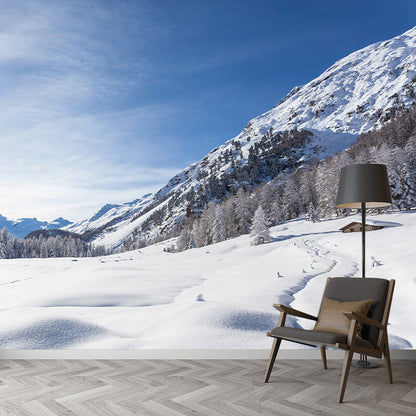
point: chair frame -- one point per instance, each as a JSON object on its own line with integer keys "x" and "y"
{"x": 382, "y": 347}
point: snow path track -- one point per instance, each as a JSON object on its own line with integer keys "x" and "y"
{"x": 328, "y": 264}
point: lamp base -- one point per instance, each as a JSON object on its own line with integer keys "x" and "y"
{"x": 364, "y": 363}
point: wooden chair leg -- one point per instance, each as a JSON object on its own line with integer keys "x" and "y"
{"x": 273, "y": 353}
{"x": 345, "y": 371}
{"x": 387, "y": 361}
{"x": 323, "y": 356}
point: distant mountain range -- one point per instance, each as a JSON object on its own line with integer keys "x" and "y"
{"x": 23, "y": 226}
{"x": 359, "y": 92}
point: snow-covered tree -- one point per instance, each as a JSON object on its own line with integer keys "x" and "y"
{"x": 183, "y": 241}
{"x": 395, "y": 160}
{"x": 243, "y": 211}
{"x": 266, "y": 198}
{"x": 326, "y": 184}
{"x": 230, "y": 218}
{"x": 405, "y": 187}
{"x": 3, "y": 243}
{"x": 277, "y": 213}
{"x": 44, "y": 249}
{"x": 312, "y": 214}
{"x": 197, "y": 234}
{"x": 259, "y": 233}
{"x": 307, "y": 188}
{"x": 411, "y": 169}
{"x": 218, "y": 229}
{"x": 291, "y": 203}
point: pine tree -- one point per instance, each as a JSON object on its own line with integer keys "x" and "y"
{"x": 218, "y": 229}
{"x": 291, "y": 204}
{"x": 277, "y": 213}
{"x": 313, "y": 215}
{"x": 326, "y": 183}
{"x": 197, "y": 235}
{"x": 395, "y": 161}
{"x": 411, "y": 168}
{"x": 266, "y": 198}
{"x": 259, "y": 233}
{"x": 307, "y": 188}
{"x": 243, "y": 211}
{"x": 3, "y": 235}
{"x": 3, "y": 243}
{"x": 186, "y": 239}
{"x": 230, "y": 218}
{"x": 206, "y": 223}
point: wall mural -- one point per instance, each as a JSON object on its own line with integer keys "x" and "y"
{"x": 196, "y": 263}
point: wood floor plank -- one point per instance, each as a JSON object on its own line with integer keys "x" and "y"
{"x": 200, "y": 387}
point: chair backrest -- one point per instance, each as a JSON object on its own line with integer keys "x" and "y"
{"x": 348, "y": 289}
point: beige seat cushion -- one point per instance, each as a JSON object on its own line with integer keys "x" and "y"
{"x": 332, "y": 319}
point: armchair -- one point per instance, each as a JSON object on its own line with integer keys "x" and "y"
{"x": 344, "y": 324}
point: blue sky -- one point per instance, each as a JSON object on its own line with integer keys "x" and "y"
{"x": 104, "y": 101}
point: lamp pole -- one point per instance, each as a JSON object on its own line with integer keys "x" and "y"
{"x": 363, "y": 236}
{"x": 363, "y": 362}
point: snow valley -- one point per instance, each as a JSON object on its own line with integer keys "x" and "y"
{"x": 219, "y": 296}
{"x": 177, "y": 268}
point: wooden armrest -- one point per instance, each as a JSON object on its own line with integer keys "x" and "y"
{"x": 294, "y": 312}
{"x": 363, "y": 319}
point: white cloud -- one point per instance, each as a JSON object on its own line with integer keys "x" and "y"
{"x": 47, "y": 196}
{"x": 69, "y": 144}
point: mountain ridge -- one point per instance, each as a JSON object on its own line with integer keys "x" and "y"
{"x": 21, "y": 227}
{"x": 358, "y": 92}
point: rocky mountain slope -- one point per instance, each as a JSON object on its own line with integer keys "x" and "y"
{"x": 359, "y": 92}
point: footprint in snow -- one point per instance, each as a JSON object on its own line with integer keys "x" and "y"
{"x": 375, "y": 263}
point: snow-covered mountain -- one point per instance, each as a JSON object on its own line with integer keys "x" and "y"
{"x": 359, "y": 92}
{"x": 108, "y": 215}
{"x": 23, "y": 226}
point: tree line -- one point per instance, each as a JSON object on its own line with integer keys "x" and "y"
{"x": 311, "y": 189}
{"x": 274, "y": 153}
{"x": 12, "y": 247}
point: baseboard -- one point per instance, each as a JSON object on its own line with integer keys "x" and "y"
{"x": 177, "y": 354}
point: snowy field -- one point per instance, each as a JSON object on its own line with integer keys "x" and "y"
{"x": 219, "y": 296}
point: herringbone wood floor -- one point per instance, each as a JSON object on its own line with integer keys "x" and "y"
{"x": 200, "y": 387}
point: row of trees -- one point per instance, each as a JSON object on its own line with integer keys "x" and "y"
{"x": 274, "y": 153}
{"x": 12, "y": 247}
{"x": 270, "y": 204}
{"x": 311, "y": 190}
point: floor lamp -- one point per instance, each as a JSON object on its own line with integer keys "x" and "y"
{"x": 363, "y": 186}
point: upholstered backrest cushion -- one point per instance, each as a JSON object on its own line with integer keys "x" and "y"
{"x": 331, "y": 316}
{"x": 356, "y": 288}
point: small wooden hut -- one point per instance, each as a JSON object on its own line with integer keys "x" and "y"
{"x": 355, "y": 227}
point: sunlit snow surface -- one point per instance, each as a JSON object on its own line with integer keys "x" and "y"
{"x": 219, "y": 296}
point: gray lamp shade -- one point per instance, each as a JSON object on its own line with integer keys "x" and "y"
{"x": 366, "y": 183}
